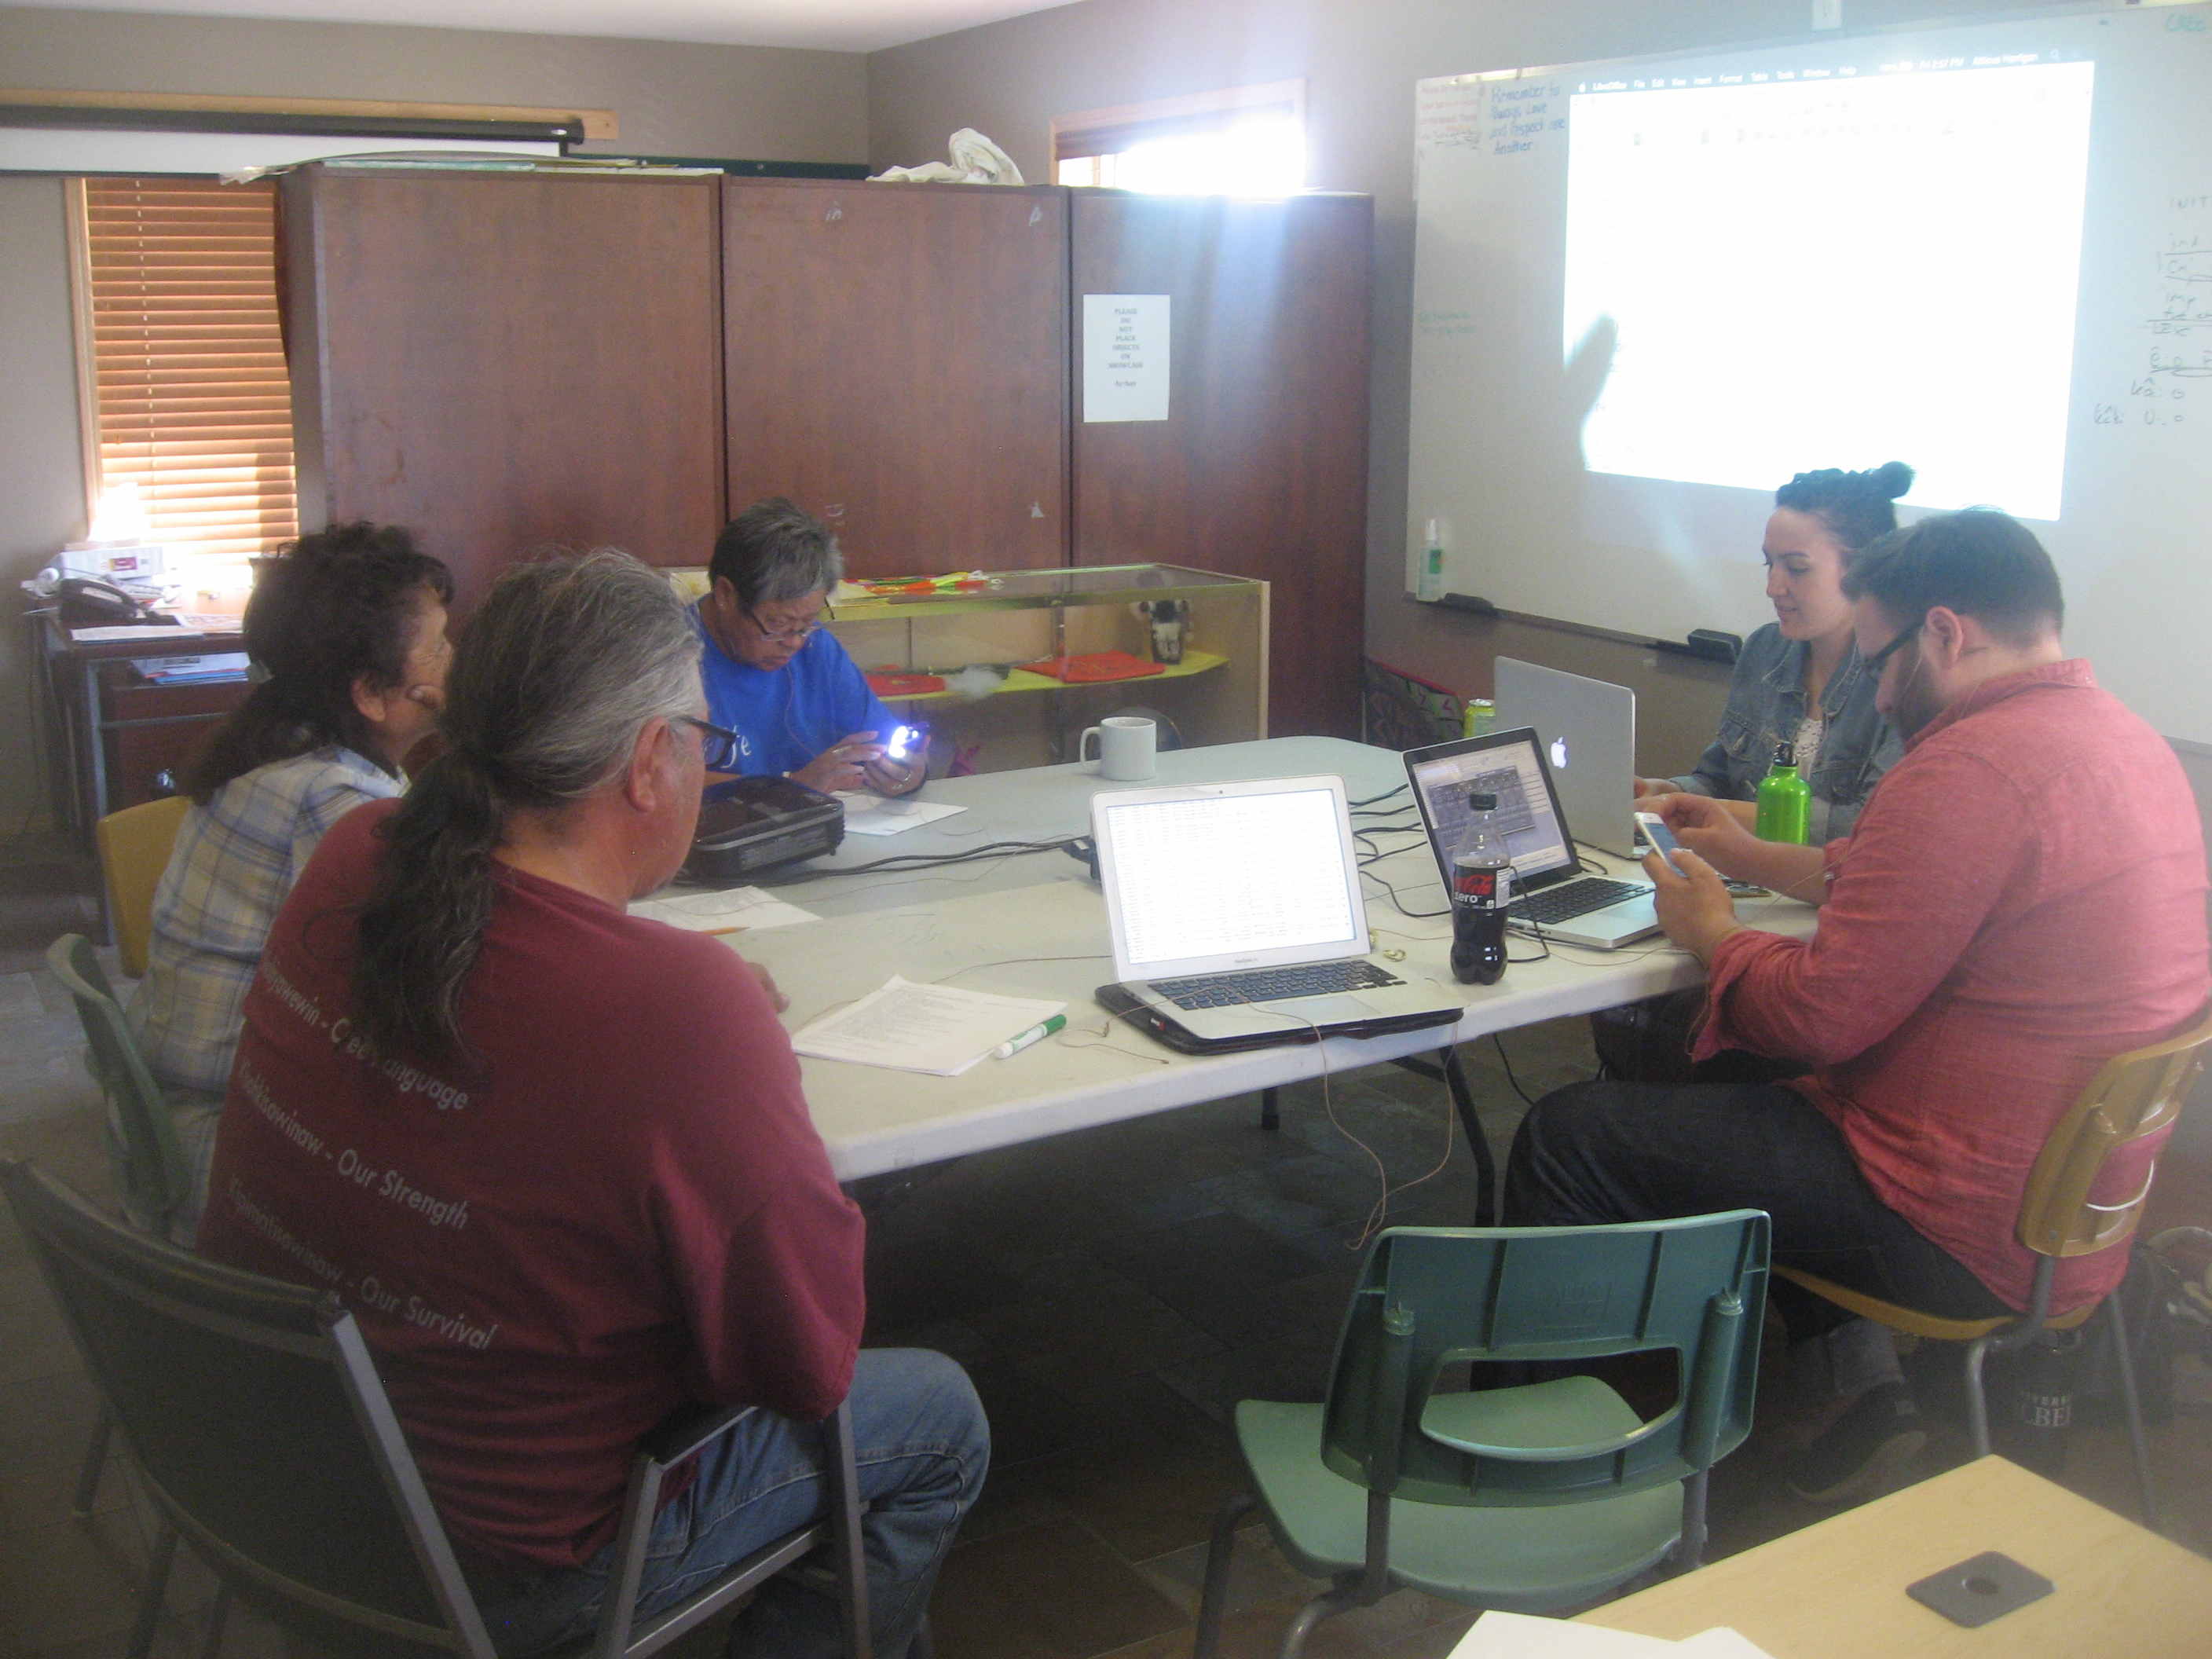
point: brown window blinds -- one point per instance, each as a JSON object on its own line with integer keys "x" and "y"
{"x": 191, "y": 400}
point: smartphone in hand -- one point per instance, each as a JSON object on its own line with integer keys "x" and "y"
{"x": 1661, "y": 839}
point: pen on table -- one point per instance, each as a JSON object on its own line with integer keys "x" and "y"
{"x": 1036, "y": 1033}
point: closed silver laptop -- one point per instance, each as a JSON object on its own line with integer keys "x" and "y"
{"x": 1589, "y": 730}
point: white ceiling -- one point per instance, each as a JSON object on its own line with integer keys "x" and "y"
{"x": 831, "y": 25}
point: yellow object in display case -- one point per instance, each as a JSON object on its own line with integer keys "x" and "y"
{"x": 975, "y": 629}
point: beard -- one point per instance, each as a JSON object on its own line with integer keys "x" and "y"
{"x": 1916, "y": 702}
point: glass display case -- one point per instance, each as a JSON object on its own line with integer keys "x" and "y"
{"x": 982, "y": 657}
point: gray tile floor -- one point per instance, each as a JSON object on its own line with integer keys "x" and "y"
{"x": 1112, "y": 1293}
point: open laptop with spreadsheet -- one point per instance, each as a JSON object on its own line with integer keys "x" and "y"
{"x": 1550, "y": 893}
{"x": 1237, "y": 918}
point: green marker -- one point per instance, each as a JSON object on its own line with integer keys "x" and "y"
{"x": 1013, "y": 1046}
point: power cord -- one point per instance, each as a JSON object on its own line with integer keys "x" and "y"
{"x": 921, "y": 860}
{"x": 1506, "y": 1061}
{"x": 1378, "y": 1214}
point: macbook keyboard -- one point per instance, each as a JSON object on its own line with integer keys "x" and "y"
{"x": 1572, "y": 899}
{"x": 1274, "y": 984}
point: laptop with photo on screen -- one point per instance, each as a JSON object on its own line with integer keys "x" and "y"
{"x": 1237, "y": 918}
{"x": 1551, "y": 895}
{"x": 1589, "y": 730}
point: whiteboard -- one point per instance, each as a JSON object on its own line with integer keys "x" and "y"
{"x": 2100, "y": 436}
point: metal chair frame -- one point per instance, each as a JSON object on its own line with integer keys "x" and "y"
{"x": 2133, "y": 1095}
{"x": 137, "y": 1277}
{"x": 151, "y": 1166}
{"x": 1434, "y": 1298}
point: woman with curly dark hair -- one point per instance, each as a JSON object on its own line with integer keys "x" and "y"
{"x": 347, "y": 629}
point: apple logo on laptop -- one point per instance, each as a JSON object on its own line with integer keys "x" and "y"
{"x": 1559, "y": 753}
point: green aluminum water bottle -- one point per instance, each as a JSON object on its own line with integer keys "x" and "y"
{"x": 1785, "y": 800}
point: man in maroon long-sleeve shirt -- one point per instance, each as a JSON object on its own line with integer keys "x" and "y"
{"x": 2023, "y": 898}
{"x": 556, "y": 1158}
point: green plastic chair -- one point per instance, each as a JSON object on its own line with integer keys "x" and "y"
{"x": 150, "y": 1176}
{"x": 1388, "y": 1485}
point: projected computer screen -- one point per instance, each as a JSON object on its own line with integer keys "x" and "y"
{"x": 1868, "y": 248}
{"x": 1648, "y": 293}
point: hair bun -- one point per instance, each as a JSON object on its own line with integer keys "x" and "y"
{"x": 1892, "y": 478}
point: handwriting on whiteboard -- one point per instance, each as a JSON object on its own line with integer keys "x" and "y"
{"x": 1495, "y": 118}
{"x": 2178, "y": 319}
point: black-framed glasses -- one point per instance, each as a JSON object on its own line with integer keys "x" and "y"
{"x": 797, "y": 635}
{"x": 719, "y": 747}
{"x": 1905, "y": 635}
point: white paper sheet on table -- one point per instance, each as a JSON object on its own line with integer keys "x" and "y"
{"x": 1525, "y": 1636}
{"x": 1721, "y": 1643}
{"x": 730, "y": 910}
{"x": 875, "y": 815}
{"x": 938, "y": 1029}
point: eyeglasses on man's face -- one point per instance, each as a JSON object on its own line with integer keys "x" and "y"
{"x": 719, "y": 747}
{"x": 789, "y": 634}
{"x": 1905, "y": 637}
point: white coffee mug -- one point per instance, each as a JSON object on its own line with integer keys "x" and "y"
{"x": 1125, "y": 747}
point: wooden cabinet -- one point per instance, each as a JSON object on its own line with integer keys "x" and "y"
{"x": 897, "y": 362}
{"x": 504, "y": 363}
{"x": 1261, "y": 468}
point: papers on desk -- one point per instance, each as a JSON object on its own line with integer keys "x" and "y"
{"x": 877, "y": 815}
{"x": 149, "y": 632}
{"x": 938, "y": 1029}
{"x": 733, "y": 910}
{"x": 1523, "y": 1635}
{"x": 191, "y": 671}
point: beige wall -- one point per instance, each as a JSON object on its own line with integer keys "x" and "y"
{"x": 1359, "y": 59}
{"x": 41, "y": 469}
{"x": 760, "y": 103}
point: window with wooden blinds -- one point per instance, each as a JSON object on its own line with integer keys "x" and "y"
{"x": 190, "y": 403}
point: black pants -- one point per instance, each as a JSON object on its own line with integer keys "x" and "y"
{"x": 1625, "y": 1152}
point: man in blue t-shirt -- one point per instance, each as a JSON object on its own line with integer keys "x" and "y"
{"x": 774, "y": 676}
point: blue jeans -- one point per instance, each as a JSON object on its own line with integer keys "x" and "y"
{"x": 921, "y": 1447}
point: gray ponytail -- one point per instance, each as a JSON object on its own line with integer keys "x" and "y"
{"x": 558, "y": 669}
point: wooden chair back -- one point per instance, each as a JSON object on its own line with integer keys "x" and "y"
{"x": 2133, "y": 1095}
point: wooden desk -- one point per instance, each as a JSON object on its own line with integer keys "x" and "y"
{"x": 1837, "y": 1588}
{"x": 110, "y": 734}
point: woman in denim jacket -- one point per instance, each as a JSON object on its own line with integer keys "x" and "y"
{"x": 1798, "y": 680}
{"x": 1804, "y": 661}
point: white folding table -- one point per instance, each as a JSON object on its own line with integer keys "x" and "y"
{"x": 1034, "y": 925}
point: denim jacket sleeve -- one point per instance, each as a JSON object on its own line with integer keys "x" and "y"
{"x": 1766, "y": 705}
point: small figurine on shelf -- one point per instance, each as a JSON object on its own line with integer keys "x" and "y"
{"x": 1170, "y": 621}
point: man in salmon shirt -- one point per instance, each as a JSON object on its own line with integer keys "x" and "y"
{"x": 556, "y": 1158}
{"x": 2022, "y": 899}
